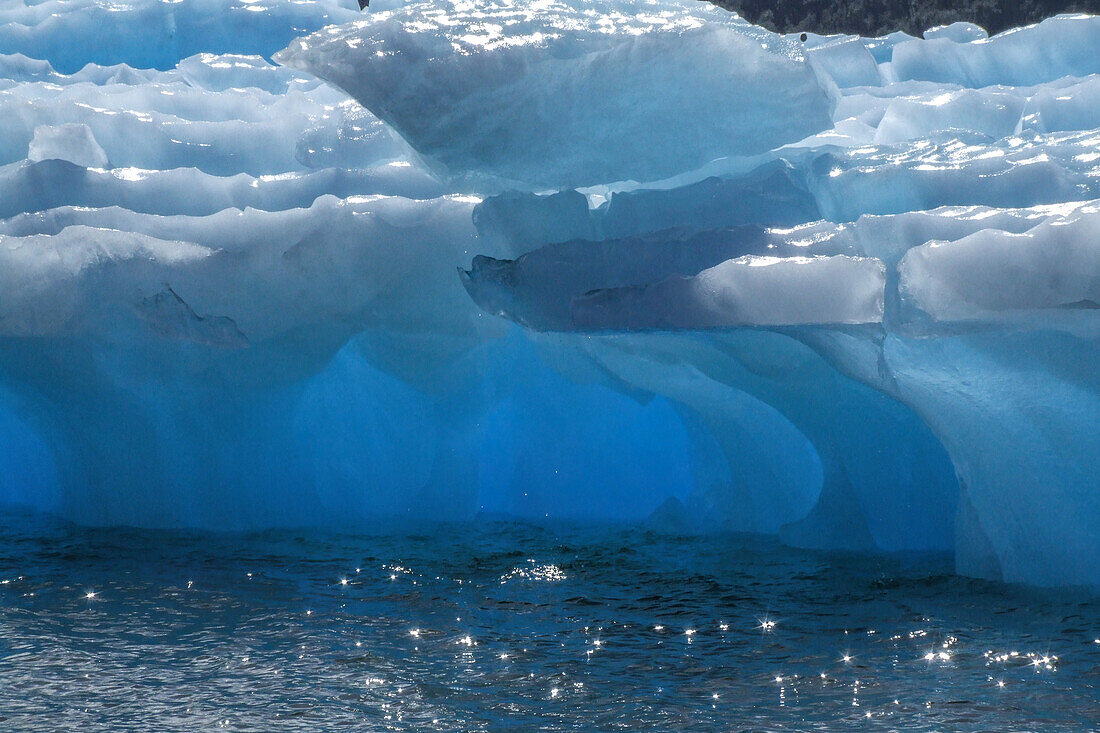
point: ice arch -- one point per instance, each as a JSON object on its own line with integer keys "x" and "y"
{"x": 627, "y": 453}
{"x": 887, "y": 483}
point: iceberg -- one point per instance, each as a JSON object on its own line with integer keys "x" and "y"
{"x": 268, "y": 264}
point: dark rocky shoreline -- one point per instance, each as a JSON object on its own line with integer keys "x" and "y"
{"x": 878, "y": 17}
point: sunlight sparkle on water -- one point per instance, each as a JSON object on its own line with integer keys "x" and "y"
{"x": 583, "y": 635}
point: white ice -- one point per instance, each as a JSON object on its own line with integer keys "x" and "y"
{"x": 558, "y": 94}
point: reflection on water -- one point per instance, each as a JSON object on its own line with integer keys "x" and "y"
{"x": 502, "y": 626}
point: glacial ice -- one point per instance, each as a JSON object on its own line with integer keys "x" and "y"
{"x": 990, "y": 275}
{"x": 959, "y": 31}
{"x": 524, "y": 94}
{"x": 155, "y": 35}
{"x": 71, "y": 142}
{"x": 845, "y": 291}
{"x": 1056, "y": 48}
{"x": 746, "y": 291}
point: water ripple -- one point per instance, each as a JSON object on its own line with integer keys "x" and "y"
{"x": 506, "y": 626}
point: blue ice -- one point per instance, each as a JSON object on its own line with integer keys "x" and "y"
{"x": 272, "y": 263}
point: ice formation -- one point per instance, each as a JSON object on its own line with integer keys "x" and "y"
{"x": 556, "y": 94}
{"x": 844, "y": 291}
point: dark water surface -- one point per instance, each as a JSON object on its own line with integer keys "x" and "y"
{"x": 499, "y": 626}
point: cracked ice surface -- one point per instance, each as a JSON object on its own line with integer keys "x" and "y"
{"x": 843, "y": 291}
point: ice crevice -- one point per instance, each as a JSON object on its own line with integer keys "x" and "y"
{"x": 709, "y": 278}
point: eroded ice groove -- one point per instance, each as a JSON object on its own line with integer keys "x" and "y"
{"x": 231, "y": 131}
{"x": 220, "y": 114}
{"x": 56, "y": 183}
{"x": 569, "y": 93}
{"x": 797, "y": 186}
{"x": 848, "y": 297}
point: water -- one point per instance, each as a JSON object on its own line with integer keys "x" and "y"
{"x": 501, "y": 626}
